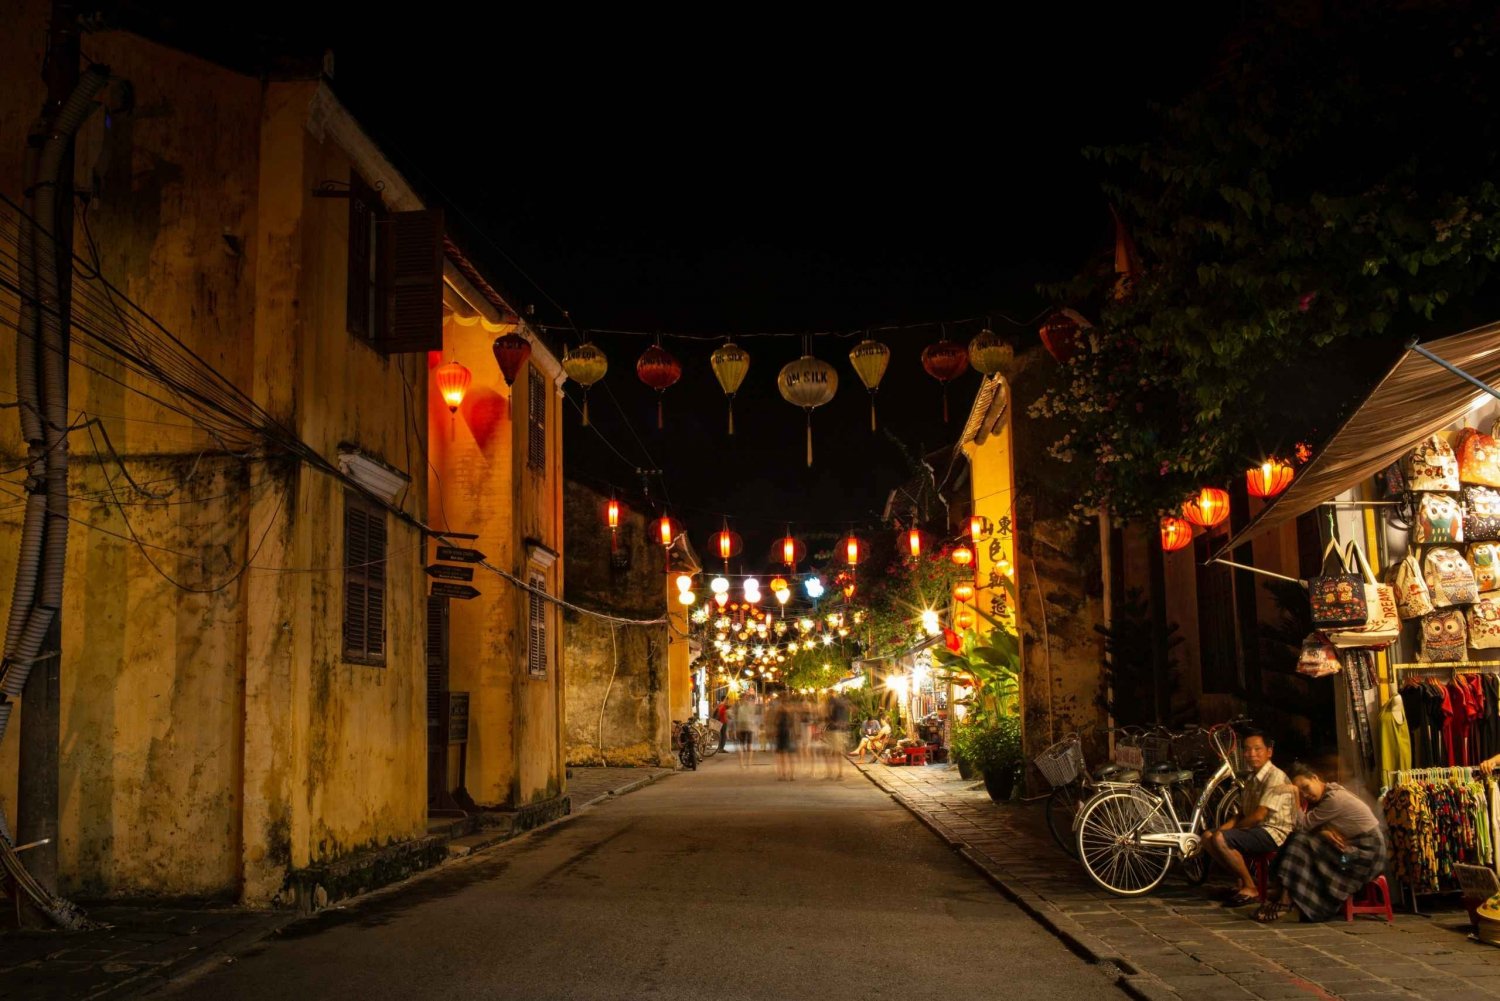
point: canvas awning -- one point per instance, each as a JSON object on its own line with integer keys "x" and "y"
{"x": 1415, "y": 398}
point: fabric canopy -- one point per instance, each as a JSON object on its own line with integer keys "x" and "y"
{"x": 1415, "y": 398}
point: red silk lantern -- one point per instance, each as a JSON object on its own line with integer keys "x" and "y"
{"x": 914, "y": 543}
{"x": 1062, "y": 334}
{"x": 452, "y": 382}
{"x": 1207, "y": 508}
{"x": 727, "y": 544}
{"x": 963, "y": 555}
{"x": 667, "y": 531}
{"x": 1175, "y": 533}
{"x": 853, "y": 550}
{"x": 952, "y": 640}
{"x": 944, "y": 361}
{"x": 511, "y": 352}
{"x": 1268, "y": 479}
{"x": 658, "y": 369}
{"x": 789, "y": 551}
{"x": 612, "y": 513}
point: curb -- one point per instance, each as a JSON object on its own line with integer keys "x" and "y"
{"x": 624, "y": 789}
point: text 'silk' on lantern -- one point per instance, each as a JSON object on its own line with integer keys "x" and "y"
{"x": 870, "y": 359}
{"x": 1207, "y": 507}
{"x": 730, "y": 363}
{"x": 945, "y": 361}
{"x": 511, "y": 352}
{"x": 962, "y": 555}
{"x": 1268, "y": 479}
{"x": 658, "y": 369}
{"x": 585, "y": 365}
{"x": 1175, "y": 533}
{"x": 807, "y": 382}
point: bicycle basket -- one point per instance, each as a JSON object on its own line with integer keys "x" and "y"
{"x": 1156, "y": 750}
{"x": 1061, "y": 763}
{"x": 1195, "y": 749}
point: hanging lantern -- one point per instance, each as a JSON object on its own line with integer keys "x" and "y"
{"x": 667, "y": 531}
{"x": 963, "y": 591}
{"x": 989, "y": 354}
{"x": 1175, "y": 533}
{"x": 730, "y": 363}
{"x": 962, "y": 555}
{"x": 721, "y": 598}
{"x": 870, "y": 359}
{"x": 853, "y": 549}
{"x": 511, "y": 352}
{"x": 789, "y": 551}
{"x": 914, "y": 543}
{"x": 779, "y": 584}
{"x": 964, "y": 619}
{"x": 452, "y": 381}
{"x": 1268, "y": 479}
{"x": 1207, "y": 508}
{"x": 684, "y": 582}
{"x": 807, "y": 383}
{"x": 979, "y": 527}
{"x": 945, "y": 361}
{"x": 726, "y": 544}
{"x": 585, "y": 365}
{"x": 612, "y": 514}
{"x": 848, "y": 593}
{"x": 658, "y": 369}
{"x": 1062, "y": 334}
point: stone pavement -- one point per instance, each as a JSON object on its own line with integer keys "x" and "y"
{"x": 146, "y": 947}
{"x": 1178, "y": 943}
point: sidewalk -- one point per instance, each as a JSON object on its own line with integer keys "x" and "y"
{"x": 145, "y": 947}
{"x": 1178, "y": 943}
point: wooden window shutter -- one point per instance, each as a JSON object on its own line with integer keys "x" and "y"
{"x": 536, "y": 640}
{"x": 437, "y": 658}
{"x": 364, "y": 581}
{"x": 536, "y": 412}
{"x": 354, "y": 581}
{"x": 375, "y": 587}
{"x": 410, "y": 246}
{"x": 363, "y": 204}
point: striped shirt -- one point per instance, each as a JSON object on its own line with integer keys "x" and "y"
{"x": 1264, "y": 788}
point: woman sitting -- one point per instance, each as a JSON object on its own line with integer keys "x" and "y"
{"x": 1335, "y": 851}
{"x": 875, "y": 738}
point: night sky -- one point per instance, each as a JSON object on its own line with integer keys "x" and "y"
{"x": 768, "y": 175}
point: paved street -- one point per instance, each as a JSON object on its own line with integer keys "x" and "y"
{"x": 721, "y": 883}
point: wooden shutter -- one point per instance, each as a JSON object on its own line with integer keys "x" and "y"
{"x": 410, "y": 246}
{"x": 364, "y": 581}
{"x": 536, "y": 640}
{"x": 363, "y": 202}
{"x": 437, "y": 659}
{"x": 536, "y": 410}
{"x": 375, "y": 587}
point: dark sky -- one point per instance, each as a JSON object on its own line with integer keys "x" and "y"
{"x": 754, "y": 172}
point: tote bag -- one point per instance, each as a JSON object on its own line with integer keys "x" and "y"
{"x": 1432, "y": 466}
{"x": 1484, "y": 622}
{"x": 1319, "y": 657}
{"x": 1413, "y": 600}
{"x": 1440, "y": 518}
{"x": 1449, "y": 578}
{"x": 1338, "y": 599}
{"x": 1484, "y": 558}
{"x": 1382, "y": 625}
{"x": 1444, "y": 637}
{"x": 1481, "y": 513}
{"x": 1478, "y": 458}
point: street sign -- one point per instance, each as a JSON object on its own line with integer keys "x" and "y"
{"x": 458, "y": 717}
{"x": 444, "y": 590}
{"x": 459, "y": 555}
{"x": 447, "y": 572}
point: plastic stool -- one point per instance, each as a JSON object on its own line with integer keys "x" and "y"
{"x": 1375, "y": 898}
{"x": 1259, "y": 864}
{"x": 916, "y": 755}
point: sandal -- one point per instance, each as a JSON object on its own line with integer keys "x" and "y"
{"x": 1241, "y": 900}
{"x": 1271, "y": 911}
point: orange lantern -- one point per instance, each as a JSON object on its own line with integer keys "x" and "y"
{"x": 849, "y": 590}
{"x": 979, "y": 527}
{"x": 452, "y": 381}
{"x": 789, "y": 550}
{"x": 963, "y": 591}
{"x": 963, "y": 555}
{"x": 727, "y": 544}
{"x": 853, "y": 550}
{"x": 1175, "y": 533}
{"x": 666, "y": 531}
{"x": 612, "y": 513}
{"x": 1207, "y": 508}
{"x": 964, "y": 619}
{"x": 778, "y": 584}
{"x": 914, "y": 543}
{"x": 1268, "y": 479}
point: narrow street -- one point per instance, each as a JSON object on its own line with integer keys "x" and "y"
{"x": 722, "y": 883}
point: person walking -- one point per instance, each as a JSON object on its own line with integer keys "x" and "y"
{"x": 835, "y": 736}
{"x": 721, "y": 713}
{"x": 746, "y": 723}
{"x": 785, "y": 724}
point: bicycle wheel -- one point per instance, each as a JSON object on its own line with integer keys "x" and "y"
{"x": 1062, "y": 810}
{"x": 1110, "y": 847}
{"x": 700, "y": 736}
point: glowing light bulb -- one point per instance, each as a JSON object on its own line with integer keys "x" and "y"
{"x": 686, "y": 597}
{"x": 814, "y": 588}
{"x": 930, "y": 623}
{"x": 684, "y": 582}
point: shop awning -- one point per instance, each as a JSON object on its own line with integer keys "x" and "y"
{"x": 1415, "y": 398}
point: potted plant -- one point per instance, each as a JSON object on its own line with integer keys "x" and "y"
{"x": 962, "y": 749}
{"x": 995, "y": 752}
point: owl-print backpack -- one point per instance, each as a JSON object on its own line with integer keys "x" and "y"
{"x": 1484, "y": 558}
{"x": 1481, "y": 513}
{"x": 1478, "y": 458}
{"x": 1484, "y": 622}
{"x": 1450, "y": 580}
{"x": 1413, "y": 600}
{"x": 1440, "y": 518}
{"x": 1432, "y": 466}
{"x": 1444, "y": 637}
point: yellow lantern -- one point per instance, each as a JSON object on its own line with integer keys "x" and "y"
{"x": 870, "y": 359}
{"x": 1207, "y": 507}
{"x": 585, "y": 365}
{"x": 808, "y": 382}
{"x": 963, "y": 591}
{"x": 730, "y": 363}
{"x": 989, "y": 354}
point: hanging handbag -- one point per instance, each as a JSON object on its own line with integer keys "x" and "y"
{"x": 1432, "y": 465}
{"x": 1413, "y": 600}
{"x": 1478, "y": 458}
{"x": 1450, "y": 580}
{"x": 1338, "y": 600}
{"x": 1440, "y": 518}
{"x": 1481, "y": 513}
{"x": 1382, "y": 625}
{"x": 1319, "y": 659}
{"x": 1444, "y": 637}
{"x": 1484, "y": 558}
{"x": 1484, "y": 622}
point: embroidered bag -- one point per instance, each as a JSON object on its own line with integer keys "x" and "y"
{"x": 1444, "y": 637}
{"x": 1338, "y": 600}
{"x": 1432, "y": 466}
{"x": 1478, "y": 458}
{"x": 1450, "y": 581}
{"x": 1412, "y": 597}
{"x": 1383, "y": 625}
{"x": 1481, "y": 513}
{"x": 1440, "y": 518}
{"x": 1484, "y": 622}
{"x": 1319, "y": 657}
{"x": 1484, "y": 558}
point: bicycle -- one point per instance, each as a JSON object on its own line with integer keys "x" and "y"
{"x": 1128, "y": 838}
{"x": 690, "y": 738}
{"x": 1073, "y": 784}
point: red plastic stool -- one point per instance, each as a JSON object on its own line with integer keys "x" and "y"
{"x": 916, "y": 755}
{"x": 1259, "y": 864}
{"x": 1375, "y": 898}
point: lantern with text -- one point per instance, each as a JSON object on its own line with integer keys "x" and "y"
{"x": 852, "y": 549}
{"x": 963, "y": 592}
{"x": 1207, "y": 507}
{"x": 658, "y": 369}
{"x": 1062, "y": 334}
{"x": 1175, "y": 533}
{"x": 808, "y": 382}
{"x": 1268, "y": 479}
{"x": 789, "y": 551}
{"x": 962, "y": 555}
{"x": 585, "y": 365}
{"x": 989, "y": 354}
{"x": 730, "y": 363}
{"x": 870, "y": 359}
{"x": 945, "y": 361}
{"x": 511, "y": 352}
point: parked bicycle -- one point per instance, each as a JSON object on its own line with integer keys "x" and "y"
{"x": 692, "y": 741}
{"x": 1073, "y": 784}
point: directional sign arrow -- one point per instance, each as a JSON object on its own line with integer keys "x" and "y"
{"x": 445, "y": 590}
{"x": 458, "y": 554}
{"x": 446, "y": 572}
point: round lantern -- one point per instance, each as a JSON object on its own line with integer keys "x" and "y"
{"x": 779, "y": 584}
{"x": 962, "y": 555}
{"x": 914, "y": 543}
{"x": 666, "y": 531}
{"x": 511, "y": 352}
{"x": 1062, "y": 334}
{"x": 964, "y": 619}
{"x": 658, "y": 369}
{"x": 730, "y": 363}
{"x": 989, "y": 354}
{"x": 452, "y": 382}
{"x": 1268, "y": 479}
{"x": 612, "y": 514}
{"x": 807, "y": 383}
{"x": 852, "y": 550}
{"x": 1175, "y": 533}
{"x": 963, "y": 591}
{"x": 870, "y": 359}
{"x": 789, "y": 551}
{"x": 1207, "y": 507}
{"x": 945, "y": 361}
{"x": 586, "y": 365}
{"x": 726, "y": 544}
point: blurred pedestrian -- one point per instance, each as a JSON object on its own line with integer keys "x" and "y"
{"x": 785, "y": 726}
{"x": 746, "y": 725}
{"x": 721, "y": 713}
{"x": 835, "y": 735}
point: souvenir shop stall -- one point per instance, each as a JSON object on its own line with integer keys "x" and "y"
{"x": 1406, "y": 604}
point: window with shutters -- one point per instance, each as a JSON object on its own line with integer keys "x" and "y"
{"x": 536, "y": 628}
{"x": 437, "y": 667}
{"x": 364, "y": 581}
{"x": 536, "y": 421}
{"x": 364, "y": 211}
{"x": 395, "y": 274}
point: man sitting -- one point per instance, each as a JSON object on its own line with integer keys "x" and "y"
{"x": 1267, "y": 815}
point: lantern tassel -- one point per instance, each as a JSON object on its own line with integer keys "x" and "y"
{"x": 659, "y": 424}
{"x": 872, "y": 413}
{"x": 585, "y": 408}
{"x": 809, "y": 439}
{"x": 731, "y": 415}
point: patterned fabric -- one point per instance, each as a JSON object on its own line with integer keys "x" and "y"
{"x": 1264, "y": 788}
{"x": 1432, "y": 466}
{"x": 1481, "y": 513}
{"x": 1440, "y": 518}
{"x": 1319, "y": 878}
{"x": 1445, "y": 637}
{"x": 1450, "y": 579}
{"x": 1413, "y": 837}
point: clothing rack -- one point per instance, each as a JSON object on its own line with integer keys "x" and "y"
{"x": 1450, "y": 665}
{"x": 1395, "y": 778}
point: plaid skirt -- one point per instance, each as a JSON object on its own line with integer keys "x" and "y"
{"x": 1317, "y": 882}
